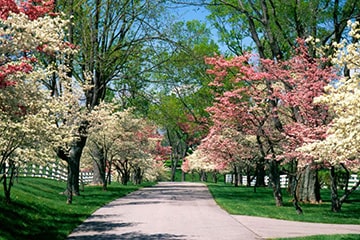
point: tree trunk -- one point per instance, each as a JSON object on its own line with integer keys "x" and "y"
{"x": 248, "y": 179}
{"x": 308, "y": 189}
{"x": 6, "y": 190}
{"x": 72, "y": 157}
{"x": 74, "y": 164}
{"x": 293, "y": 188}
{"x": 274, "y": 178}
{"x": 292, "y": 180}
{"x": 108, "y": 175}
{"x": 99, "y": 165}
{"x": 125, "y": 178}
{"x": 174, "y": 163}
{"x": 69, "y": 185}
{"x": 138, "y": 175}
{"x": 236, "y": 177}
{"x": 260, "y": 175}
{"x": 335, "y": 201}
{"x": 203, "y": 176}
{"x": 215, "y": 177}
{"x": 97, "y": 179}
{"x": 123, "y": 170}
{"x": 183, "y": 176}
{"x": 8, "y": 174}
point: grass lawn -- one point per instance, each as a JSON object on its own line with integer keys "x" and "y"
{"x": 39, "y": 211}
{"x": 243, "y": 201}
{"x": 326, "y": 237}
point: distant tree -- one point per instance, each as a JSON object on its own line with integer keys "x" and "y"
{"x": 183, "y": 94}
{"x": 225, "y": 148}
{"x": 272, "y": 27}
{"x": 118, "y": 141}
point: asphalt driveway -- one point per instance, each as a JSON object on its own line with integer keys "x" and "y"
{"x": 187, "y": 211}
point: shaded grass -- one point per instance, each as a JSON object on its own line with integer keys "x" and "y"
{"x": 243, "y": 201}
{"x": 39, "y": 210}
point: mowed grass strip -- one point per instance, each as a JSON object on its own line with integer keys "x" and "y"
{"x": 244, "y": 201}
{"x": 39, "y": 210}
{"x": 326, "y": 237}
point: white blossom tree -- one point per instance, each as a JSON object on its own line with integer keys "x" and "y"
{"x": 341, "y": 146}
{"x": 120, "y": 141}
{"x": 31, "y": 120}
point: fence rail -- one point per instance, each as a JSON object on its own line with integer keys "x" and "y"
{"x": 60, "y": 173}
{"x": 229, "y": 178}
{"x": 52, "y": 172}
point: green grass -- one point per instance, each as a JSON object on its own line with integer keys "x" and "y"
{"x": 327, "y": 237}
{"x": 39, "y": 211}
{"x": 243, "y": 201}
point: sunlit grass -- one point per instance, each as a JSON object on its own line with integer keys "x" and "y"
{"x": 39, "y": 210}
{"x": 244, "y": 201}
{"x": 326, "y": 237}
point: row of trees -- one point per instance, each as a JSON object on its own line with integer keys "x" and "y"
{"x": 264, "y": 109}
{"x": 267, "y": 117}
{"x": 51, "y": 97}
{"x": 106, "y": 50}
{"x": 260, "y": 107}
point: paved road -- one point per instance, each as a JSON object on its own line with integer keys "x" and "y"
{"x": 174, "y": 211}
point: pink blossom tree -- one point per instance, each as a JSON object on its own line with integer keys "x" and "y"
{"x": 272, "y": 100}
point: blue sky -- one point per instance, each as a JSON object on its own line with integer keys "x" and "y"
{"x": 188, "y": 13}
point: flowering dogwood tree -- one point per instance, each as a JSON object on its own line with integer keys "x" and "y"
{"x": 341, "y": 145}
{"x": 29, "y": 115}
{"x": 117, "y": 139}
{"x": 271, "y": 100}
{"x": 223, "y": 150}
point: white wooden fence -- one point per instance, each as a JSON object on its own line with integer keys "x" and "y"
{"x": 284, "y": 180}
{"x": 60, "y": 173}
{"x": 52, "y": 172}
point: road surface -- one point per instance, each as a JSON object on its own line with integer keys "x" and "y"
{"x": 186, "y": 211}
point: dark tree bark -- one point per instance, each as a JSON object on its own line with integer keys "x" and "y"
{"x": 336, "y": 201}
{"x": 260, "y": 175}
{"x": 308, "y": 187}
{"x": 138, "y": 175}
{"x": 99, "y": 162}
{"x": 72, "y": 157}
{"x": 215, "y": 177}
{"x": 293, "y": 186}
{"x": 8, "y": 179}
{"x": 203, "y": 176}
{"x": 174, "y": 163}
{"x": 274, "y": 178}
{"x": 183, "y": 176}
{"x": 236, "y": 176}
{"x": 124, "y": 169}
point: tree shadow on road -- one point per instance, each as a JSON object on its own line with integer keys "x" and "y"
{"x": 169, "y": 192}
{"x": 132, "y": 236}
{"x": 99, "y": 226}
